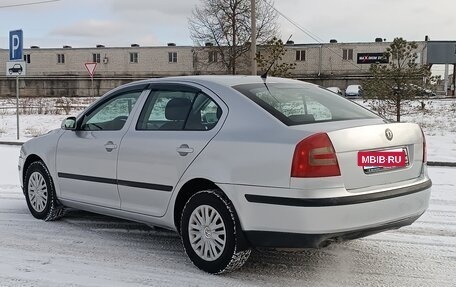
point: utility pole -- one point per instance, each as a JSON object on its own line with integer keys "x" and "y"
{"x": 253, "y": 37}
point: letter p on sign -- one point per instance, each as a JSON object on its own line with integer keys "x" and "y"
{"x": 15, "y": 45}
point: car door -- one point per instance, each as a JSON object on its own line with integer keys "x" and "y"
{"x": 86, "y": 158}
{"x": 174, "y": 126}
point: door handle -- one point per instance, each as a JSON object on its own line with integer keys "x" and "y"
{"x": 110, "y": 146}
{"x": 184, "y": 150}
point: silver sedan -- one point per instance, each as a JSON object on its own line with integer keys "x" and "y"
{"x": 231, "y": 163}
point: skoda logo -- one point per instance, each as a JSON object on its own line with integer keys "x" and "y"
{"x": 389, "y": 134}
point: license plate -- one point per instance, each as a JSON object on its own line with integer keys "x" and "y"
{"x": 384, "y": 160}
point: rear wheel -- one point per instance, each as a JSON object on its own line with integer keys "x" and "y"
{"x": 210, "y": 234}
{"x": 40, "y": 193}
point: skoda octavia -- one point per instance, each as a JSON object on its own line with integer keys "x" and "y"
{"x": 230, "y": 163}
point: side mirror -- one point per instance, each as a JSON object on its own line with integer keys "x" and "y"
{"x": 69, "y": 124}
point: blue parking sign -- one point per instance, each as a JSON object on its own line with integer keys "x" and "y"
{"x": 15, "y": 45}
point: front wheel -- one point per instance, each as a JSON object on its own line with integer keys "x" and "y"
{"x": 210, "y": 234}
{"x": 40, "y": 193}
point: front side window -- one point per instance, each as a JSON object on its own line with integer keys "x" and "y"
{"x": 178, "y": 110}
{"x": 296, "y": 104}
{"x": 112, "y": 114}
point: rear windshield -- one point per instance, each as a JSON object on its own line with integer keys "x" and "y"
{"x": 297, "y": 104}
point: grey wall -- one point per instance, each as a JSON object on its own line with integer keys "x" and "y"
{"x": 59, "y": 87}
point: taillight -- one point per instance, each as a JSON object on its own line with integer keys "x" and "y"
{"x": 315, "y": 157}
{"x": 424, "y": 147}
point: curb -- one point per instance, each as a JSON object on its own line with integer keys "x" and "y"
{"x": 441, "y": 163}
{"x": 10, "y": 143}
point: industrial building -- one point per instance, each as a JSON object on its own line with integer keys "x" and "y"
{"x": 61, "y": 71}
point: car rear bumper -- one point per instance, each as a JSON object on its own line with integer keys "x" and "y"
{"x": 276, "y": 217}
{"x": 300, "y": 240}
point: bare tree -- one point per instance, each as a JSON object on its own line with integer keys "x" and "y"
{"x": 226, "y": 24}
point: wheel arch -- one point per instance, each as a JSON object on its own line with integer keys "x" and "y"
{"x": 195, "y": 185}
{"x": 186, "y": 191}
{"x": 29, "y": 160}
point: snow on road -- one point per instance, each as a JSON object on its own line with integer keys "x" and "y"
{"x": 85, "y": 249}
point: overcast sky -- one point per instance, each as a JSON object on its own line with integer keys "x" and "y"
{"x": 82, "y": 23}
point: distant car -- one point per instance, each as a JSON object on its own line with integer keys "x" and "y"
{"x": 423, "y": 92}
{"x": 416, "y": 91}
{"x": 15, "y": 69}
{"x": 230, "y": 163}
{"x": 335, "y": 90}
{"x": 354, "y": 91}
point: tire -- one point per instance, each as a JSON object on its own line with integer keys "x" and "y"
{"x": 213, "y": 245}
{"x": 40, "y": 193}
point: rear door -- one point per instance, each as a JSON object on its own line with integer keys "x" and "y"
{"x": 174, "y": 126}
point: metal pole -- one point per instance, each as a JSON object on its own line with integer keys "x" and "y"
{"x": 17, "y": 105}
{"x": 454, "y": 80}
{"x": 320, "y": 59}
{"x": 446, "y": 78}
{"x": 253, "y": 36}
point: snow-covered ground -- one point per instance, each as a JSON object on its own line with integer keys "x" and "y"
{"x": 85, "y": 249}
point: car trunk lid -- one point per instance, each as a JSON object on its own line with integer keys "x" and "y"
{"x": 348, "y": 142}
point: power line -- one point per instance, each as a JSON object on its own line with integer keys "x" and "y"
{"x": 28, "y": 4}
{"x": 309, "y": 33}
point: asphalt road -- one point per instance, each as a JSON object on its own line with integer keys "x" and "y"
{"x": 85, "y": 249}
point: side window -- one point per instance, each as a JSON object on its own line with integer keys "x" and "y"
{"x": 166, "y": 110}
{"x": 204, "y": 115}
{"x": 112, "y": 114}
{"x": 178, "y": 110}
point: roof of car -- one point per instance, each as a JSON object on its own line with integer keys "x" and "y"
{"x": 224, "y": 80}
{"x": 353, "y": 88}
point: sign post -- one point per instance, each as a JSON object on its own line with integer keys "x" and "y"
{"x": 90, "y": 67}
{"x": 17, "y": 108}
{"x": 16, "y": 67}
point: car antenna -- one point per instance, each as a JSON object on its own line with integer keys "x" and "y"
{"x": 264, "y": 76}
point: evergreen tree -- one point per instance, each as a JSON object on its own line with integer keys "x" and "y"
{"x": 394, "y": 86}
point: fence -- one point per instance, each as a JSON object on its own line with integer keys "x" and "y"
{"x": 51, "y": 106}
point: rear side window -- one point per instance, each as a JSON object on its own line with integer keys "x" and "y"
{"x": 173, "y": 110}
{"x": 296, "y": 104}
